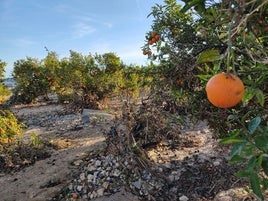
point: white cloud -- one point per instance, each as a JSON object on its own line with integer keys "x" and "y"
{"x": 92, "y": 19}
{"x": 81, "y": 29}
{"x": 85, "y": 25}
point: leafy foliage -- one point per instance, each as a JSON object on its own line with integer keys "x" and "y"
{"x": 4, "y": 92}
{"x": 10, "y": 128}
{"x": 86, "y": 80}
{"x": 197, "y": 44}
{"x": 250, "y": 147}
{"x": 30, "y": 78}
{"x": 202, "y": 39}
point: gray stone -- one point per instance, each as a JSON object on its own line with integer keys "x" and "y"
{"x": 91, "y": 168}
{"x": 79, "y": 188}
{"x": 78, "y": 162}
{"x": 183, "y": 198}
{"x": 217, "y": 162}
{"x": 137, "y": 184}
{"x": 90, "y": 177}
{"x": 105, "y": 185}
{"x": 93, "y": 195}
{"x": 82, "y": 176}
{"x": 171, "y": 178}
{"x": 85, "y": 119}
{"x": 116, "y": 173}
{"x": 97, "y": 163}
{"x": 100, "y": 192}
{"x": 224, "y": 198}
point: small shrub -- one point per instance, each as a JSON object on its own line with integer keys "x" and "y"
{"x": 250, "y": 147}
{"x": 10, "y": 128}
{"x": 4, "y": 93}
{"x": 36, "y": 141}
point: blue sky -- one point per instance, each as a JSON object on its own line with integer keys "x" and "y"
{"x": 85, "y": 26}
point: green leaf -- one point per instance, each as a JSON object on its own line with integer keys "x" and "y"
{"x": 255, "y": 184}
{"x": 260, "y": 97}
{"x": 231, "y": 140}
{"x": 264, "y": 165}
{"x": 223, "y": 35}
{"x": 235, "y": 133}
{"x": 209, "y": 56}
{"x": 204, "y": 77}
{"x": 243, "y": 173}
{"x": 252, "y": 163}
{"x": 261, "y": 142}
{"x": 246, "y": 116}
{"x": 237, "y": 148}
{"x": 193, "y": 3}
{"x": 231, "y": 117}
{"x": 253, "y": 124}
{"x": 265, "y": 184}
{"x": 249, "y": 149}
{"x": 249, "y": 94}
{"x": 237, "y": 159}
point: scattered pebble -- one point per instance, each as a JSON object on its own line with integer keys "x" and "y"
{"x": 183, "y": 198}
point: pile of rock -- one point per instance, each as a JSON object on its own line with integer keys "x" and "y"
{"x": 105, "y": 174}
{"x": 102, "y": 175}
{"x": 194, "y": 171}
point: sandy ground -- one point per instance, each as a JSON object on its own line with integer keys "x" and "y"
{"x": 46, "y": 178}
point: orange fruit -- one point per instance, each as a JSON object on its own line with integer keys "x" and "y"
{"x": 151, "y": 42}
{"x": 179, "y": 81}
{"x": 153, "y": 34}
{"x": 144, "y": 52}
{"x": 157, "y": 37}
{"x": 225, "y": 90}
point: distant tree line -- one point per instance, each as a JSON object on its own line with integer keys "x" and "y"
{"x": 87, "y": 79}
{"x": 4, "y": 92}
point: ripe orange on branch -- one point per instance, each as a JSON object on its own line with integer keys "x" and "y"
{"x": 144, "y": 52}
{"x": 225, "y": 90}
{"x": 157, "y": 37}
{"x": 150, "y": 42}
{"x": 147, "y": 52}
{"x": 153, "y": 34}
{"x": 154, "y": 37}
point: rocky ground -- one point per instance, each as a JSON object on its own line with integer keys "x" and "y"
{"x": 84, "y": 156}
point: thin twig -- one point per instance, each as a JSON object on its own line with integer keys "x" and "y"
{"x": 244, "y": 20}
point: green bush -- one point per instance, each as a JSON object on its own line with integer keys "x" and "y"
{"x": 83, "y": 79}
{"x": 10, "y": 128}
{"x": 4, "y": 93}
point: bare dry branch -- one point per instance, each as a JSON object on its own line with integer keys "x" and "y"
{"x": 245, "y": 19}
